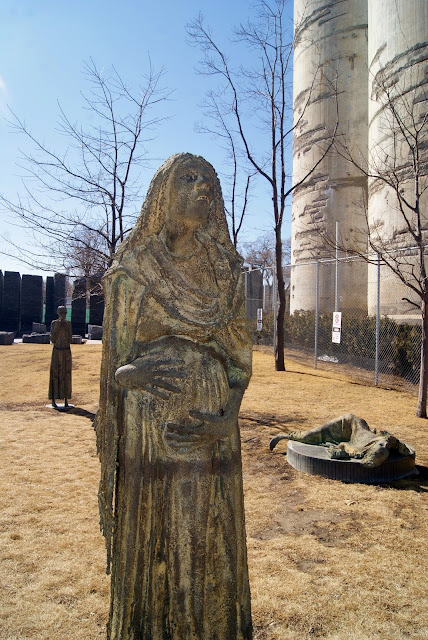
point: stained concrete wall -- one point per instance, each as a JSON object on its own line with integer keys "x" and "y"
{"x": 398, "y": 59}
{"x": 330, "y": 51}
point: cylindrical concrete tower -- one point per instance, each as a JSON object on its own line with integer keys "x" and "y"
{"x": 398, "y": 82}
{"x": 330, "y": 74}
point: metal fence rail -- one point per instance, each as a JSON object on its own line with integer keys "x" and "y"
{"x": 382, "y": 347}
{"x": 388, "y": 346}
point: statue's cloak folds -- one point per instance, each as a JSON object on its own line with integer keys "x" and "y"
{"x": 150, "y": 493}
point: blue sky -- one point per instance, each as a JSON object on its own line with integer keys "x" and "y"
{"x": 43, "y": 45}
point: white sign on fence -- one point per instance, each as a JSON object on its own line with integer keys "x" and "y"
{"x": 259, "y": 319}
{"x": 337, "y": 327}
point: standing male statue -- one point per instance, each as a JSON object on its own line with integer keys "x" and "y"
{"x": 176, "y": 361}
{"x": 60, "y": 373}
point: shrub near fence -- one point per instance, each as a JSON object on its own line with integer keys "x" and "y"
{"x": 394, "y": 350}
{"x": 399, "y": 344}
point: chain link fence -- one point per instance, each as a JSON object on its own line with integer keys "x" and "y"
{"x": 377, "y": 346}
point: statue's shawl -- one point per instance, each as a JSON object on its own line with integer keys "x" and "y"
{"x": 145, "y": 279}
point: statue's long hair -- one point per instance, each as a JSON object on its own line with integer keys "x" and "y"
{"x": 153, "y": 212}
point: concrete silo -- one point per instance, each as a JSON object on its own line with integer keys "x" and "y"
{"x": 398, "y": 82}
{"x": 330, "y": 52}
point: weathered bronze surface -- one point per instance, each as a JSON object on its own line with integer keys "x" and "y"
{"x": 350, "y": 437}
{"x": 60, "y": 371}
{"x": 176, "y": 362}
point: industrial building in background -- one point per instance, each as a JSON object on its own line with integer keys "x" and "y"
{"x": 350, "y": 55}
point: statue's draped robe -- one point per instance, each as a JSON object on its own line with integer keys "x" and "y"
{"x": 176, "y": 533}
{"x": 60, "y": 370}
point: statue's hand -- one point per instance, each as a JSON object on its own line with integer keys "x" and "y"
{"x": 221, "y": 425}
{"x": 156, "y": 375}
{"x": 338, "y": 454}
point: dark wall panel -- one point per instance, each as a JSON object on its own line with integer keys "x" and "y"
{"x": 78, "y": 307}
{"x": 31, "y": 301}
{"x": 10, "y": 317}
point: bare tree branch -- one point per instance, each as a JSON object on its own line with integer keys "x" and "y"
{"x": 258, "y": 97}
{"x": 83, "y": 198}
{"x": 398, "y": 162}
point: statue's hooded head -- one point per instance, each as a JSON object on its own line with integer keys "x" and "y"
{"x": 185, "y": 187}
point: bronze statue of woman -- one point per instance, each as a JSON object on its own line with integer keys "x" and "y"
{"x": 176, "y": 362}
{"x": 60, "y": 371}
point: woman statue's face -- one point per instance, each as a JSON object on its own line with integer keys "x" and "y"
{"x": 190, "y": 192}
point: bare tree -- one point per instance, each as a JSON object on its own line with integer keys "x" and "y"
{"x": 260, "y": 254}
{"x": 238, "y": 179}
{"x": 254, "y": 98}
{"x": 88, "y": 255}
{"x": 397, "y": 171}
{"x": 82, "y": 200}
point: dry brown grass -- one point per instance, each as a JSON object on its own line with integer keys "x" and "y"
{"x": 327, "y": 560}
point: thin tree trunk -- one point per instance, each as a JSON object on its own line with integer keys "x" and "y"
{"x": 421, "y": 410}
{"x": 280, "y": 314}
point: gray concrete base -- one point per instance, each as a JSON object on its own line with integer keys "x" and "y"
{"x": 314, "y": 459}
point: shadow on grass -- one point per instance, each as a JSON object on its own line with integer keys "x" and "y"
{"x": 269, "y": 420}
{"x": 417, "y": 483}
{"x": 76, "y": 411}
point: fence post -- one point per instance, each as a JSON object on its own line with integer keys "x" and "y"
{"x": 336, "y": 275}
{"x": 246, "y": 291}
{"x": 377, "y": 321}
{"x": 316, "y": 313}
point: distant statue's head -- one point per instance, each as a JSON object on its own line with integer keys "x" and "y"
{"x": 62, "y": 312}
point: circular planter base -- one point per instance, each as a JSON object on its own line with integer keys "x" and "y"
{"x": 314, "y": 459}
